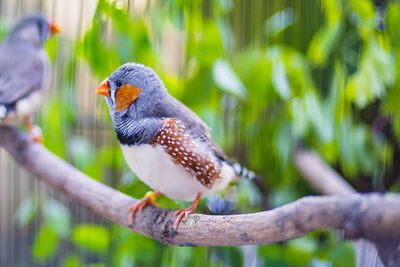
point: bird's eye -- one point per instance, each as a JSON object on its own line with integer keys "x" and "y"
{"x": 118, "y": 83}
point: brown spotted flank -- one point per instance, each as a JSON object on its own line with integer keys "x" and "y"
{"x": 175, "y": 140}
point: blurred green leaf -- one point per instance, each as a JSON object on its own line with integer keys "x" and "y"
{"x": 363, "y": 17}
{"x": 51, "y": 47}
{"x": 323, "y": 42}
{"x": 226, "y": 79}
{"x": 273, "y": 255}
{"x": 375, "y": 72}
{"x": 99, "y": 264}
{"x": 57, "y": 216}
{"x": 392, "y": 19}
{"x": 91, "y": 236}
{"x": 71, "y": 260}
{"x": 284, "y": 144}
{"x": 279, "y": 21}
{"x": 343, "y": 255}
{"x": 27, "y": 210}
{"x": 279, "y": 75}
{"x": 45, "y": 244}
{"x": 82, "y": 152}
{"x": 128, "y": 179}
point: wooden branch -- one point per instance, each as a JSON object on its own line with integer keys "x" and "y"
{"x": 327, "y": 181}
{"x": 319, "y": 175}
{"x": 373, "y": 216}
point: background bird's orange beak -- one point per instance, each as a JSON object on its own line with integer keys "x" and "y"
{"x": 103, "y": 88}
{"x": 54, "y": 28}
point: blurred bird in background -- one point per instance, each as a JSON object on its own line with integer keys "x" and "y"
{"x": 167, "y": 145}
{"x": 24, "y": 72}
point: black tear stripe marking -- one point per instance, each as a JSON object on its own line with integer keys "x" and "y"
{"x": 175, "y": 140}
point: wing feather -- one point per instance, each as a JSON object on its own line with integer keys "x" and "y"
{"x": 199, "y": 130}
{"x": 21, "y": 72}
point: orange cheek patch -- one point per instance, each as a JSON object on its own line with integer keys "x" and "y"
{"x": 125, "y": 96}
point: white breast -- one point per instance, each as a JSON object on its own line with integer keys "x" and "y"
{"x": 157, "y": 169}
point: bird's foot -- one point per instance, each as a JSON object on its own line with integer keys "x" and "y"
{"x": 185, "y": 212}
{"x": 148, "y": 199}
{"x": 181, "y": 213}
{"x": 35, "y": 134}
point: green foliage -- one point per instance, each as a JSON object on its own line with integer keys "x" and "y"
{"x": 91, "y": 236}
{"x": 71, "y": 260}
{"x": 45, "y": 243}
{"x": 57, "y": 216}
{"x": 26, "y": 211}
{"x": 227, "y": 80}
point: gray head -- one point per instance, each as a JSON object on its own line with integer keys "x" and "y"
{"x": 133, "y": 90}
{"x": 34, "y": 29}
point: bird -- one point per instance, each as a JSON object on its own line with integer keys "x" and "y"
{"x": 163, "y": 142}
{"x": 24, "y": 72}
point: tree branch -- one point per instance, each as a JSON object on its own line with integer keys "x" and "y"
{"x": 327, "y": 181}
{"x": 319, "y": 175}
{"x": 373, "y": 216}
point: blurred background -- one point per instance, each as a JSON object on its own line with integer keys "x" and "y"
{"x": 268, "y": 77}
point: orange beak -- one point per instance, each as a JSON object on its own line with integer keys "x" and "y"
{"x": 54, "y": 28}
{"x": 103, "y": 88}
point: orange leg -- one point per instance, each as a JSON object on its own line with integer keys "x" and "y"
{"x": 35, "y": 133}
{"x": 185, "y": 212}
{"x": 148, "y": 199}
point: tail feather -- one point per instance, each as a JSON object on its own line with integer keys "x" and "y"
{"x": 242, "y": 172}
